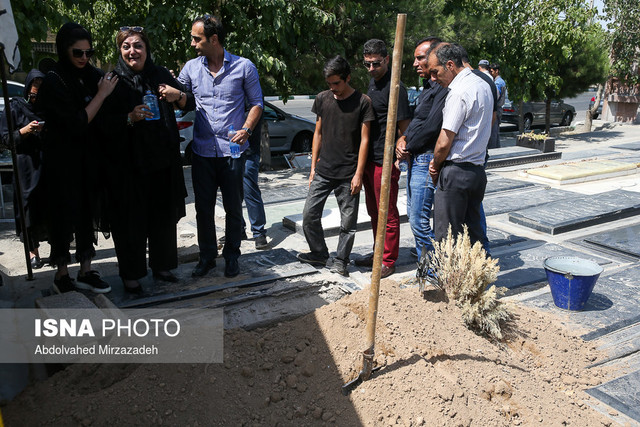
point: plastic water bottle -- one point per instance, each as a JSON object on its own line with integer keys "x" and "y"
{"x": 151, "y": 101}
{"x": 233, "y": 147}
{"x": 403, "y": 165}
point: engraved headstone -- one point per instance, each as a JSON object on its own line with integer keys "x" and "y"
{"x": 622, "y": 394}
{"x": 635, "y": 146}
{"x": 495, "y": 204}
{"x": 567, "y": 215}
{"x": 625, "y": 240}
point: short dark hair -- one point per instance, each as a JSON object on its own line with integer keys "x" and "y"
{"x": 375, "y": 47}
{"x": 430, "y": 39}
{"x": 337, "y": 66}
{"x": 212, "y": 25}
{"x": 463, "y": 52}
{"x": 446, "y": 52}
{"x": 494, "y": 66}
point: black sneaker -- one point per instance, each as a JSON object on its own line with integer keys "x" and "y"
{"x": 366, "y": 261}
{"x": 261, "y": 243}
{"x": 91, "y": 281}
{"x": 36, "y": 263}
{"x": 63, "y": 284}
{"x": 309, "y": 259}
{"x": 340, "y": 268}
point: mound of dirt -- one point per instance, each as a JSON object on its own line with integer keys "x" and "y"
{"x": 436, "y": 372}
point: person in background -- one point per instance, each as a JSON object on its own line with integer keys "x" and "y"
{"x": 339, "y": 155}
{"x": 27, "y": 136}
{"x": 220, "y": 83}
{"x": 252, "y": 193}
{"x": 145, "y": 184}
{"x": 69, "y": 100}
{"x": 501, "y": 86}
{"x": 483, "y": 65}
{"x": 376, "y": 60}
{"x": 494, "y": 93}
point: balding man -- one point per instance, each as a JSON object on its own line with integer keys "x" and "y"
{"x": 458, "y": 161}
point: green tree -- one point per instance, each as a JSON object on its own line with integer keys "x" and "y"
{"x": 539, "y": 43}
{"x": 287, "y": 40}
{"x": 624, "y": 26}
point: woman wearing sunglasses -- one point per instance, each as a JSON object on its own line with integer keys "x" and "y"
{"x": 145, "y": 184}
{"x": 69, "y": 99}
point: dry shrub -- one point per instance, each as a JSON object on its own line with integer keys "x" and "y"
{"x": 465, "y": 273}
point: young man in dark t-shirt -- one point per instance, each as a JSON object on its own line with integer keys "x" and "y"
{"x": 376, "y": 60}
{"x": 339, "y": 154}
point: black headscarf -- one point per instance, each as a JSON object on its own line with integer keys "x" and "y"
{"x": 82, "y": 81}
{"x": 33, "y": 74}
{"x": 29, "y": 110}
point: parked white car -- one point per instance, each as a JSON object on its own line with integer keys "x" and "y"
{"x": 15, "y": 89}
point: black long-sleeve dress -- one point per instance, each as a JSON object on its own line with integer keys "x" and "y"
{"x": 29, "y": 164}
{"x": 145, "y": 182}
{"x": 71, "y": 160}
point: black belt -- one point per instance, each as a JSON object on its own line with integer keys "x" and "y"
{"x": 451, "y": 162}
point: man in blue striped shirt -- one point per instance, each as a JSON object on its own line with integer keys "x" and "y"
{"x": 220, "y": 82}
{"x": 458, "y": 160}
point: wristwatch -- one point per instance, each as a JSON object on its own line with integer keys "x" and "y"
{"x": 248, "y": 131}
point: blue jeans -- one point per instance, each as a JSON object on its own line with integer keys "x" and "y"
{"x": 253, "y": 196}
{"x": 420, "y": 193}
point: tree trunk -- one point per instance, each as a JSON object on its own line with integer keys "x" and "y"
{"x": 591, "y": 111}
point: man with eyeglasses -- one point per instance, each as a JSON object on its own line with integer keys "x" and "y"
{"x": 339, "y": 153}
{"x": 220, "y": 82}
{"x": 376, "y": 61}
{"x": 417, "y": 144}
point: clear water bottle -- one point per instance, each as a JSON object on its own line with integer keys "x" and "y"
{"x": 151, "y": 101}
{"x": 403, "y": 165}
{"x": 233, "y": 147}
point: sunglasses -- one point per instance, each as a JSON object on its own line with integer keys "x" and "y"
{"x": 78, "y": 53}
{"x": 134, "y": 29}
{"x": 368, "y": 65}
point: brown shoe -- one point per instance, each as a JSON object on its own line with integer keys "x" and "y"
{"x": 387, "y": 271}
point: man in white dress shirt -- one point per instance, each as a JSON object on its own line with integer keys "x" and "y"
{"x": 458, "y": 161}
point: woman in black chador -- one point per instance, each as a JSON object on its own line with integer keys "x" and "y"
{"x": 145, "y": 185}
{"x": 27, "y": 137}
{"x": 69, "y": 99}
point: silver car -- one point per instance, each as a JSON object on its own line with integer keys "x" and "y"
{"x": 534, "y": 113}
{"x": 287, "y": 132}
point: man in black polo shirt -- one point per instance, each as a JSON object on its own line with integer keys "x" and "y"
{"x": 417, "y": 144}
{"x": 339, "y": 154}
{"x": 376, "y": 60}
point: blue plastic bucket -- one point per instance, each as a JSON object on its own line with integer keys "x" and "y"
{"x": 571, "y": 280}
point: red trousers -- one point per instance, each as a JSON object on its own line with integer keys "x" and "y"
{"x": 372, "y": 182}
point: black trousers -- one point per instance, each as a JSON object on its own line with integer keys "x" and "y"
{"x": 457, "y": 200}
{"x": 144, "y": 213}
{"x": 208, "y": 174}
